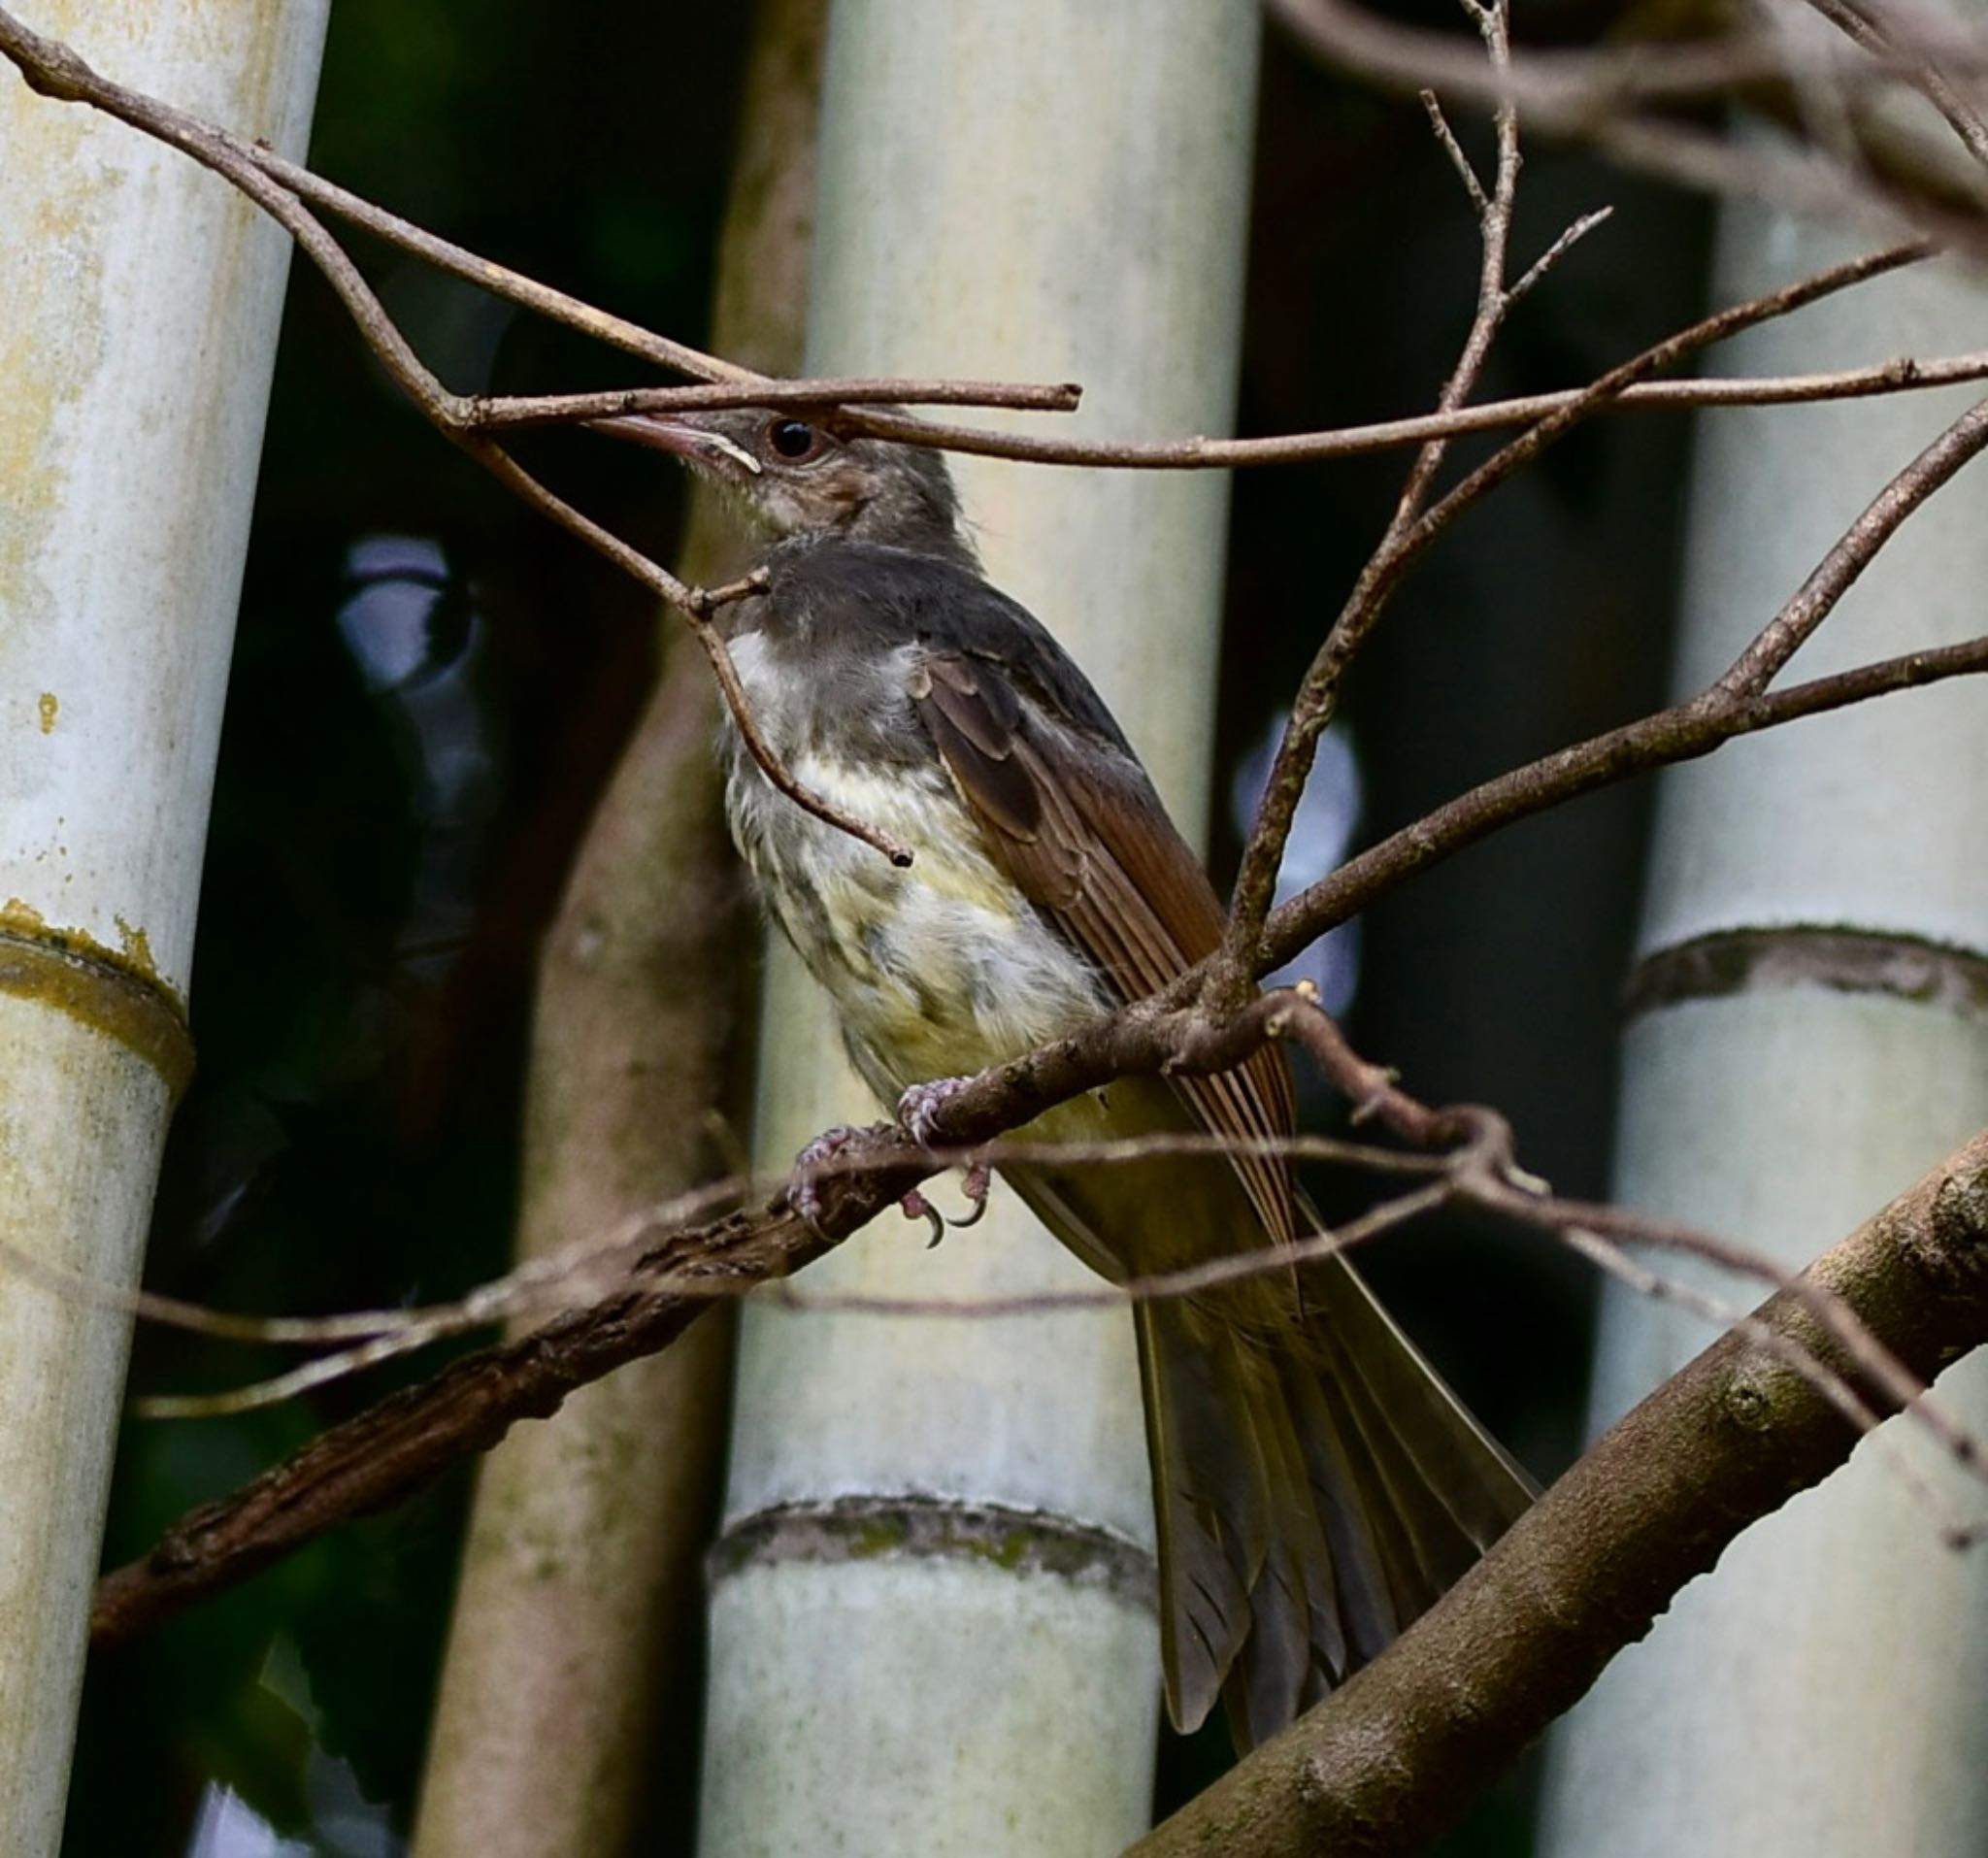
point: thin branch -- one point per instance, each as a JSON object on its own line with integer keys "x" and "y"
{"x": 55, "y": 71}
{"x": 696, "y": 606}
{"x": 1807, "y": 187}
{"x": 1161, "y": 1287}
{"x": 402, "y": 1443}
{"x": 1866, "y": 29}
{"x": 586, "y": 1269}
{"x": 1612, "y": 1261}
{"x": 1263, "y": 852}
{"x": 1796, "y": 623}
{"x": 1682, "y": 733}
{"x": 1211, "y": 1274}
{"x": 1445, "y": 136}
{"x": 501, "y": 413}
{"x": 1900, "y": 1389}
{"x": 1558, "y": 249}
{"x": 1565, "y": 87}
{"x": 1406, "y": 540}
{"x": 1902, "y": 373}
{"x": 1590, "y": 97}
{"x": 769, "y": 764}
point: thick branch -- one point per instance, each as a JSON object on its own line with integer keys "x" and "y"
{"x": 1383, "y": 1766}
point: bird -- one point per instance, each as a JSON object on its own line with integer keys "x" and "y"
{"x": 1316, "y": 1486}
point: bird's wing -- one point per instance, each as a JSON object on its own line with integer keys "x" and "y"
{"x": 1080, "y": 831}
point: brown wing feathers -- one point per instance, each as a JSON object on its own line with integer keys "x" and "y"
{"x": 1091, "y": 845}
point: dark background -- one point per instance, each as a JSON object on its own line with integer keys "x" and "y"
{"x": 430, "y": 685}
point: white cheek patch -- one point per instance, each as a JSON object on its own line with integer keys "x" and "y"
{"x": 732, "y": 450}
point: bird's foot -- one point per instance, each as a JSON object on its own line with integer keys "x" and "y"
{"x": 918, "y": 1109}
{"x": 813, "y": 1163}
{"x": 804, "y": 1189}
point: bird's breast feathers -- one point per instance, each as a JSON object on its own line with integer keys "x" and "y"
{"x": 936, "y": 971}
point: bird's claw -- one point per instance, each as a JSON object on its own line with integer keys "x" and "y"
{"x": 804, "y": 1189}
{"x": 975, "y": 1182}
{"x": 917, "y": 1108}
{"x": 812, "y": 1163}
{"x": 914, "y": 1206}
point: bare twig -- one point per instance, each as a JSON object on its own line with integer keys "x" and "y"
{"x": 1867, "y": 27}
{"x": 1682, "y": 732}
{"x": 1317, "y": 694}
{"x": 1408, "y": 537}
{"x": 1161, "y": 1287}
{"x": 1900, "y": 1389}
{"x": 1564, "y": 88}
{"x": 53, "y": 70}
{"x": 1571, "y": 237}
{"x": 696, "y": 605}
{"x": 1592, "y": 97}
{"x": 1795, "y": 624}
{"x": 1453, "y": 149}
{"x": 1264, "y": 851}
{"x": 586, "y": 1269}
{"x": 512, "y": 410}
{"x": 1903, "y": 374}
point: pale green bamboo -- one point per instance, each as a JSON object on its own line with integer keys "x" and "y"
{"x": 1825, "y": 1691}
{"x": 1045, "y": 190}
{"x": 141, "y": 303}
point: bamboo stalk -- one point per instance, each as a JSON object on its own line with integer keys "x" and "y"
{"x": 1822, "y": 1692}
{"x": 931, "y": 1618}
{"x": 142, "y": 306}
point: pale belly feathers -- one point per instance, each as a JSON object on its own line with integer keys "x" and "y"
{"x": 936, "y": 971}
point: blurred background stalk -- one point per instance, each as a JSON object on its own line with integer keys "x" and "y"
{"x": 577, "y": 1621}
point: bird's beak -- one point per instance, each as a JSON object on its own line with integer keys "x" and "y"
{"x": 682, "y": 436}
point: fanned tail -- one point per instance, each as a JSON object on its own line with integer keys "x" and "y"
{"x": 1316, "y": 1490}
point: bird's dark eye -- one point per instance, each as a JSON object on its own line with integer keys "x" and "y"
{"x": 794, "y": 440}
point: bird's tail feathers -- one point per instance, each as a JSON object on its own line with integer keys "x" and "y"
{"x": 1312, "y": 1501}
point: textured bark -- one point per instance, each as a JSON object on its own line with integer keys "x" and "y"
{"x": 580, "y": 1595}
{"x": 1385, "y": 1765}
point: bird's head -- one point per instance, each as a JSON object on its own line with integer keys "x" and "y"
{"x": 800, "y": 476}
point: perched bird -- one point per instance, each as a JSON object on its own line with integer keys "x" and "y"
{"x": 1315, "y": 1485}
